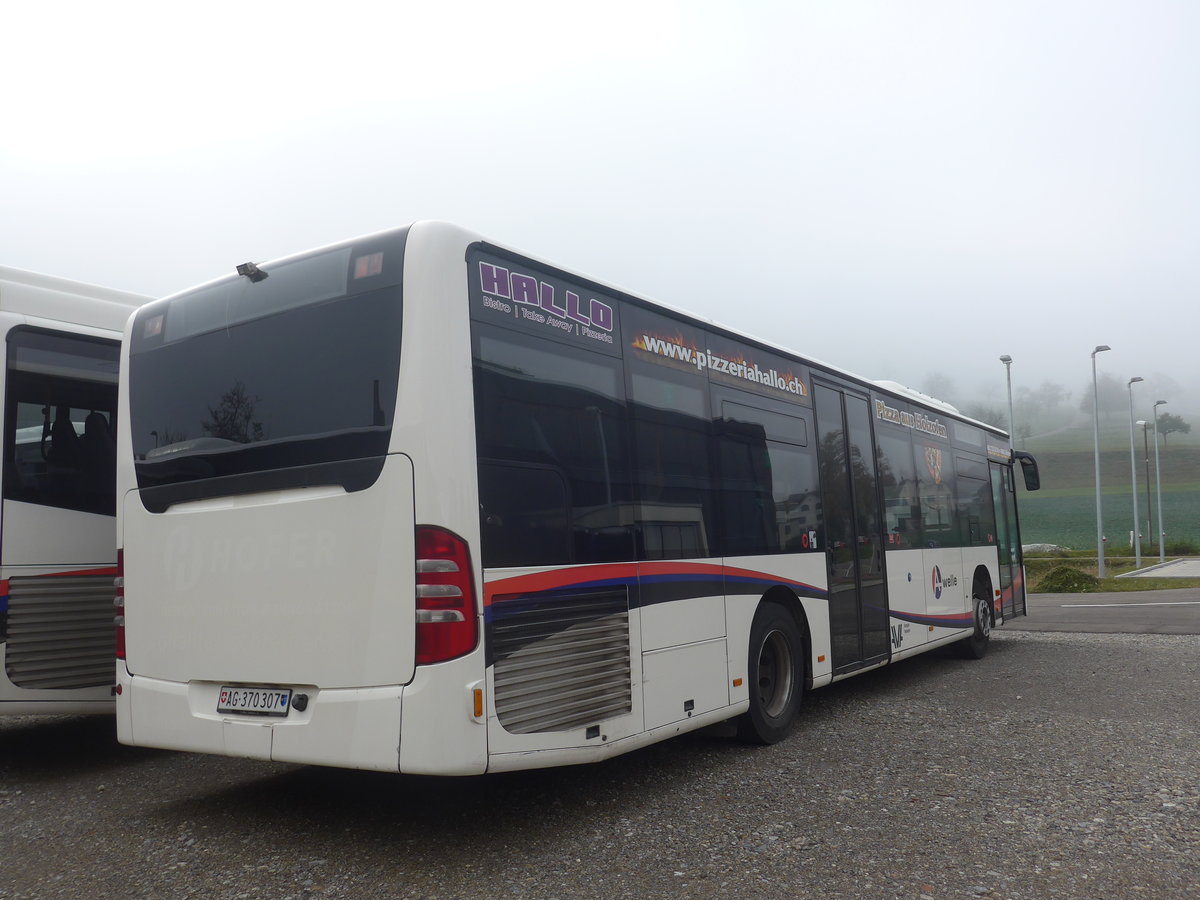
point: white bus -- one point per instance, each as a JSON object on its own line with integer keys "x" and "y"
{"x": 417, "y": 502}
{"x": 57, "y": 527}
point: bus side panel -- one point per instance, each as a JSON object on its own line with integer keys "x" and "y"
{"x": 983, "y": 557}
{"x": 440, "y": 733}
{"x": 947, "y": 592}
{"x": 910, "y": 626}
{"x": 802, "y": 574}
{"x": 523, "y": 711}
{"x": 48, "y": 536}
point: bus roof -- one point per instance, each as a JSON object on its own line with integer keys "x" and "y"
{"x": 60, "y": 299}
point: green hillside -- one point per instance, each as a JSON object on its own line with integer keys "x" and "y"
{"x": 1064, "y": 511}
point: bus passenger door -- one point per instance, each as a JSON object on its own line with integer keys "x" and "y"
{"x": 1008, "y": 544}
{"x": 858, "y": 609}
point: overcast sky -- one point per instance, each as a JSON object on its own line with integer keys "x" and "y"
{"x": 899, "y": 188}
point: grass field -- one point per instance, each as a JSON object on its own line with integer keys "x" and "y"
{"x": 1070, "y": 521}
{"x": 1063, "y": 512}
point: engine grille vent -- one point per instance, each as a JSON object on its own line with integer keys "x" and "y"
{"x": 60, "y": 631}
{"x": 561, "y": 660}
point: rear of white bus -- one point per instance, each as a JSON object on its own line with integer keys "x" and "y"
{"x": 280, "y": 597}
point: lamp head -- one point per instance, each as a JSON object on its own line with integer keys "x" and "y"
{"x": 1134, "y": 380}
{"x": 1100, "y": 348}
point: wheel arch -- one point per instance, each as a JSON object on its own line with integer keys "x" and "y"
{"x": 789, "y": 600}
{"x": 982, "y": 581}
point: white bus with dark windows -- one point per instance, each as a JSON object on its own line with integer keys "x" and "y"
{"x": 419, "y": 503}
{"x": 57, "y": 526}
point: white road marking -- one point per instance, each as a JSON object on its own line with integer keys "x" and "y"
{"x": 1101, "y": 605}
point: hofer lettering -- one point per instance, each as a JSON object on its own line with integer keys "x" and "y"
{"x": 522, "y": 288}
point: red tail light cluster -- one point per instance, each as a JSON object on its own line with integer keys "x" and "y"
{"x": 119, "y": 603}
{"x": 446, "y": 623}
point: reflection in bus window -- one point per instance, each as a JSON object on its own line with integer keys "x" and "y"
{"x": 770, "y": 499}
{"x": 554, "y": 482}
{"x": 935, "y": 491}
{"x": 977, "y": 515}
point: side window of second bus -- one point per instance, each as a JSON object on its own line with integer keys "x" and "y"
{"x": 59, "y": 420}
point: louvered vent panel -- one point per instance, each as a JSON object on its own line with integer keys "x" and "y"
{"x": 60, "y": 631}
{"x": 561, "y": 662}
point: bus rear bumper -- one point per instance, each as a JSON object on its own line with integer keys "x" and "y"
{"x": 356, "y": 728}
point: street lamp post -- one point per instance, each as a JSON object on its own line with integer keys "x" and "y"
{"x": 1007, "y": 360}
{"x": 1096, "y": 433}
{"x": 1162, "y": 535}
{"x": 1137, "y": 536}
{"x": 1145, "y": 426}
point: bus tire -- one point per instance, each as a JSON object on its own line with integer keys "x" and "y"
{"x": 775, "y": 673}
{"x": 976, "y": 646}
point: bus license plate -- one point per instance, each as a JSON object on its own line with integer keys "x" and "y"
{"x": 252, "y": 701}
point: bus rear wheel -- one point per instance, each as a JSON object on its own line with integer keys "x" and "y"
{"x": 776, "y": 675}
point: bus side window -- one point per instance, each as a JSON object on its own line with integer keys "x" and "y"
{"x": 553, "y": 442}
{"x": 676, "y": 511}
{"x": 523, "y": 515}
{"x": 748, "y": 515}
{"x": 770, "y": 499}
{"x": 56, "y": 384}
{"x": 975, "y": 509}
{"x": 901, "y": 505}
{"x": 98, "y": 447}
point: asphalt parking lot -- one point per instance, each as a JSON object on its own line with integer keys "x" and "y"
{"x": 1135, "y": 612}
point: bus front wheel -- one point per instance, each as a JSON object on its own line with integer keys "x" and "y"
{"x": 975, "y": 646}
{"x": 776, "y": 675}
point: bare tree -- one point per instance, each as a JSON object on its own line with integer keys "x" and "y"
{"x": 233, "y": 417}
{"x": 1168, "y": 423}
{"x": 1110, "y": 394}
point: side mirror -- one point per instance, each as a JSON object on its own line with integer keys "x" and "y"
{"x": 1029, "y": 468}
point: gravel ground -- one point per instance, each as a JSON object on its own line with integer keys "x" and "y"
{"x": 1062, "y": 766}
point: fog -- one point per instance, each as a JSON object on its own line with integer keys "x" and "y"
{"x": 905, "y": 189}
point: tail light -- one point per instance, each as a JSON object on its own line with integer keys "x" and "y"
{"x": 119, "y": 603}
{"x": 446, "y": 626}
